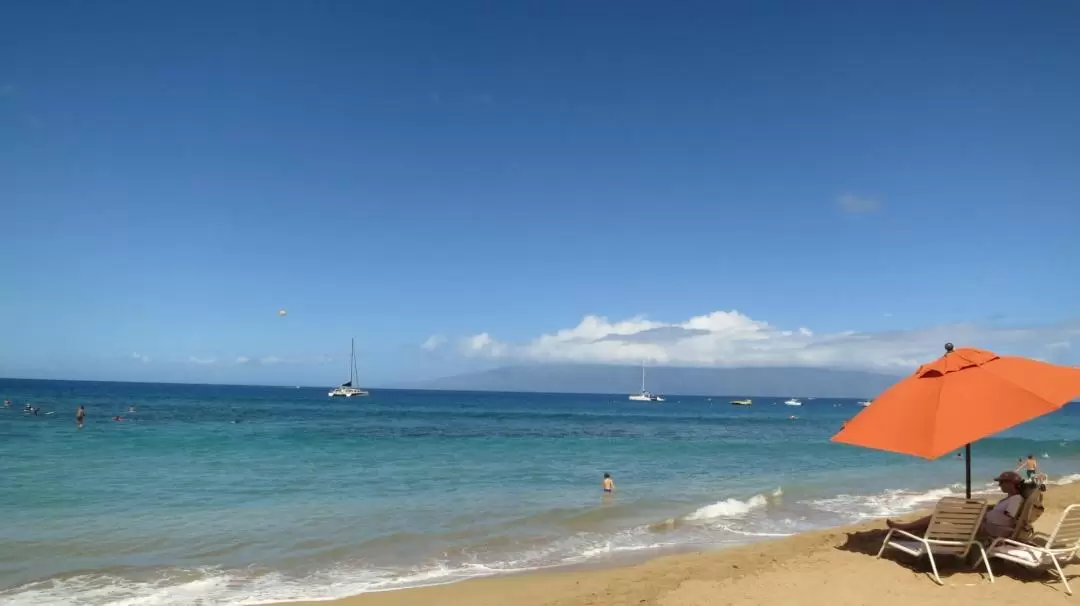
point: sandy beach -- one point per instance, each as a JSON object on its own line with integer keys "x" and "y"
{"x": 834, "y": 566}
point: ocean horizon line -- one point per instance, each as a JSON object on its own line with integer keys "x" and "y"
{"x": 293, "y": 387}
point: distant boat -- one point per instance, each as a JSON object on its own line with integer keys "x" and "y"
{"x": 793, "y": 402}
{"x": 742, "y": 402}
{"x": 346, "y": 390}
{"x": 645, "y": 396}
{"x": 865, "y": 403}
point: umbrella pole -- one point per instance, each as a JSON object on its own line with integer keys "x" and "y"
{"x": 967, "y": 467}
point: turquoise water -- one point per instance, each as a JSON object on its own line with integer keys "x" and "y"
{"x": 246, "y": 495}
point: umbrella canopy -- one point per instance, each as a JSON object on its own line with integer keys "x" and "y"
{"x": 965, "y": 395}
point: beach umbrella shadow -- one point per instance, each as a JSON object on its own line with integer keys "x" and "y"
{"x": 868, "y": 542}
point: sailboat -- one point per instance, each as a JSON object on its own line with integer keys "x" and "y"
{"x": 346, "y": 390}
{"x": 645, "y": 396}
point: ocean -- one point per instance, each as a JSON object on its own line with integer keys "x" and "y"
{"x": 248, "y": 495}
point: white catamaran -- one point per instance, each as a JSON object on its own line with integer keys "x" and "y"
{"x": 346, "y": 390}
{"x": 645, "y": 396}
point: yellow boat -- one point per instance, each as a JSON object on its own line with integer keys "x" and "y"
{"x": 742, "y": 402}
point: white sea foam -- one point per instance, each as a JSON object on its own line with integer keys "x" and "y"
{"x": 747, "y": 533}
{"x": 232, "y": 588}
{"x": 728, "y": 508}
{"x": 1069, "y": 479}
{"x": 609, "y": 548}
{"x": 887, "y": 503}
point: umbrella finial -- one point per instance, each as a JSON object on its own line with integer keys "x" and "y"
{"x": 948, "y": 348}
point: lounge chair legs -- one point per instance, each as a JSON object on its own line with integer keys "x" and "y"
{"x": 933, "y": 566}
{"x": 986, "y": 560}
{"x": 1061, "y": 575}
{"x": 885, "y": 543}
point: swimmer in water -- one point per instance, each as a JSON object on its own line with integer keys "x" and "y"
{"x": 609, "y": 484}
{"x": 80, "y": 416}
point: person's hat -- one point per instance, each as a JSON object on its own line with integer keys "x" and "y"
{"x": 1009, "y": 476}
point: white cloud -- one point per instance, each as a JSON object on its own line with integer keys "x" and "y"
{"x": 729, "y": 338}
{"x": 140, "y": 357}
{"x": 201, "y": 361}
{"x": 433, "y": 342}
{"x": 270, "y": 360}
{"x": 242, "y": 360}
{"x": 483, "y": 345}
{"x": 852, "y": 203}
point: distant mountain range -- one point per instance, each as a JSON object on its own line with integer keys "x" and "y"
{"x": 610, "y": 379}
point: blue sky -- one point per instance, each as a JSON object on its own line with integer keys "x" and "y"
{"x": 475, "y": 176}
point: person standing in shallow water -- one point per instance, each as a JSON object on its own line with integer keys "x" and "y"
{"x": 80, "y": 416}
{"x": 1031, "y": 466}
{"x": 609, "y": 484}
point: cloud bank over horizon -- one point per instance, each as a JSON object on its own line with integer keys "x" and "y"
{"x": 732, "y": 339}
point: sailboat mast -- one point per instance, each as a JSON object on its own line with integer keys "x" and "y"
{"x": 352, "y": 361}
{"x": 642, "y": 377}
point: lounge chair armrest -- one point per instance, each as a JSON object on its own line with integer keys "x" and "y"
{"x": 951, "y": 543}
{"x": 1012, "y": 542}
{"x": 907, "y": 534}
{"x": 1058, "y": 551}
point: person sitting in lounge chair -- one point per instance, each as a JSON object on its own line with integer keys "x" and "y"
{"x": 999, "y": 521}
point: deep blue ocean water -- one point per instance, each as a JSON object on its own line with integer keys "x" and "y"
{"x": 246, "y": 495}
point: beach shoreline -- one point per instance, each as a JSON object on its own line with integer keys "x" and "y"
{"x": 789, "y": 570}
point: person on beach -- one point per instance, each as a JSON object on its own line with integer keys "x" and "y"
{"x": 80, "y": 416}
{"x": 999, "y": 521}
{"x": 609, "y": 484}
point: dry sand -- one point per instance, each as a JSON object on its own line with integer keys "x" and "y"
{"x": 834, "y": 567}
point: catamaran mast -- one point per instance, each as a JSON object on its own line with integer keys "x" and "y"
{"x": 352, "y": 361}
{"x": 642, "y": 377}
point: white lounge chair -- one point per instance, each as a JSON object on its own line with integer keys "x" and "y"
{"x": 951, "y": 532}
{"x": 1058, "y": 547}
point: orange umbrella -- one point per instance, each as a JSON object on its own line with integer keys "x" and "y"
{"x": 953, "y": 401}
